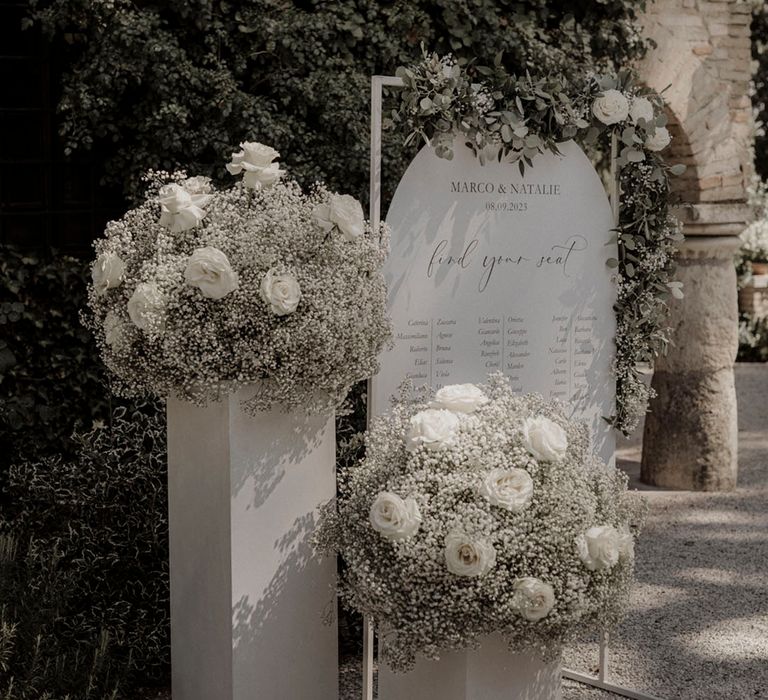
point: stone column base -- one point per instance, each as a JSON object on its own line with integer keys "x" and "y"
{"x": 691, "y": 430}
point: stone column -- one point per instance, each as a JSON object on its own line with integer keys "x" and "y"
{"x": 691, "y": 432}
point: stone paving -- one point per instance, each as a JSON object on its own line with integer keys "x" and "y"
{"x": 698, "y": 625}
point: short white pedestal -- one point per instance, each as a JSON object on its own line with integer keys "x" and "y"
{"x": 491, "y": 672}
{"x": 248, "y": 594}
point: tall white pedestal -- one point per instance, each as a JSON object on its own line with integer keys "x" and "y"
{"x": 248, "y": 594}
{"x": 491, "y": 672}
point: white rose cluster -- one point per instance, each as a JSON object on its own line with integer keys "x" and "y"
{"x": 200, "y": 290}
{"x": 612, "y": 107}
{"x": 492, "y": 504}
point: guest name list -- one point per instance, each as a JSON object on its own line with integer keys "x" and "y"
{"x": 492, "y": 272}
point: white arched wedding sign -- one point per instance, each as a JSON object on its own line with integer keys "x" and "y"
{"x": 492, "y": 270}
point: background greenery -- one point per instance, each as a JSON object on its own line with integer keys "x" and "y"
{"x": 182, "y": 82}
{"x": 83, "y": 538}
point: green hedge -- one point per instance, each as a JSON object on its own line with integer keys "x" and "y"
{"x": 51, "y": 378}
{"x": 182, "y": 82}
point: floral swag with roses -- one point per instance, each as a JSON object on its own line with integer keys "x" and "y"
{"x": 518, "y": 118}
{"x": 201, "y": 291}
{"x": 477, "y": 512}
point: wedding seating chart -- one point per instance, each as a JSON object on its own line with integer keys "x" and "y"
{"x": 492, "y": 270}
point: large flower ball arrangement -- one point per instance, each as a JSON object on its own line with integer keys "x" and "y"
{"x": 479, "y": 512}
{"x": 518, "y": 117}
{"x": 199, "y": 291}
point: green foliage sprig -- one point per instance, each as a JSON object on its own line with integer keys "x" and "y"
{"x": 515, "y": 118}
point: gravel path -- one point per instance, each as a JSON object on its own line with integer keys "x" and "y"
{"x": 698, "y": 624}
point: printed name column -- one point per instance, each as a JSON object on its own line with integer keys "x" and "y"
{"x": 443, "y": 332}
{"x": 419, "y": 342}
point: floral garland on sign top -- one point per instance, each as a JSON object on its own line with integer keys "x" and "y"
{"x": 520, "y": 117}
{"x": 200, "y": 291}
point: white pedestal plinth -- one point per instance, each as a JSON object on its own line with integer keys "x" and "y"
{"x": 489, "y": 673}
{"x": 248, "y": 594}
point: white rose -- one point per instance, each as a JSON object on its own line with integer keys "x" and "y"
{"x": 461, "y": 398}
{"x": 465, "y": 556}
{"x": 394, "y": 518}
{"x": 181, "y": 210}
{"x": 146, "y": 307}
{"x": 533, "y": 598}
{"x": 433, "y": 428}
{"x": 347, "y": 213}
{"x": 544, "y": 439}
{"x": 281, "y": 291}
{"x": 599, "y": 547}
{"x": 199, "y": 184}
{"x": 210, "y": 271}
{"x": 321, "y": 217}
{"x": 659, "y": 140}
{"x": 511, "y": 489}
{"x": 641, "y": 109}
{"x": 611, "y": 107}
{"x": 114, "y": 330}
{"x": 107, "y": 272}
{"x": 626, "y": 544}
{"x": 255, "y": 162}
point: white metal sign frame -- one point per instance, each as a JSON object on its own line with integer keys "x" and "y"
{"x": 378, "y": 82}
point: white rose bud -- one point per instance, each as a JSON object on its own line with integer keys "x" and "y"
{"x": 659, "y": 140}
{"x": 255, "y": 162}
{"x": 281, "y": 291}
{"x": 199, "y": 184}
{"x": 347, "y": 213}
{"x": 107, "y": 272}
{"x": 511, "y": 489}
{"x": 321, "y": 217}
{"x": 146, "y": 307}
{"x": 533, "y": 598}
{"x": 544, "y": 439}
{"x": 181, "y": 210}
{"x": 641, "y": 108}
{"x": 465, "y": 556}
{"x": 460, "y": 398}
{"x": 599, "y": 547}
{"x": 209, "y": 270}
{"x": 394, "y": 518}
{"x": 611, "y": 107}
{"x": 433, "y": 428}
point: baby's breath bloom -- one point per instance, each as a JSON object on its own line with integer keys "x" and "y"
{"x": 253, "y": 293}
{"x": 494, "y": 550}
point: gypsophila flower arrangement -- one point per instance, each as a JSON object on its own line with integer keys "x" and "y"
{"x": 481, "y": 512}
{"x": 515, "y": 118}
{"x": 200, "y": 291}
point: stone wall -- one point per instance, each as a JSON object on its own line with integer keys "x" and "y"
{"x": 702, "y": 64}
